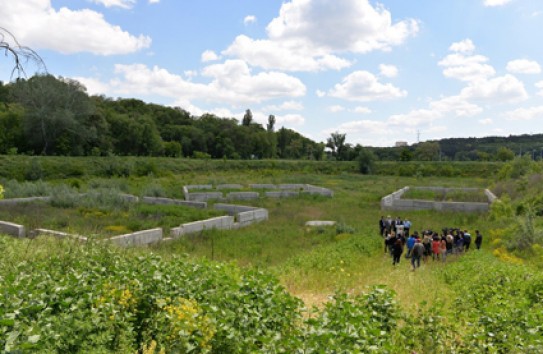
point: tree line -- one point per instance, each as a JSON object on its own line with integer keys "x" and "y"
{"x": 54, "y": 116}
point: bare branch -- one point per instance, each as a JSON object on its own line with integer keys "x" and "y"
{"x": 21, "y": 55}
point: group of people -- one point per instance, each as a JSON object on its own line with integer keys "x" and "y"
{"x": 398, "y": 239}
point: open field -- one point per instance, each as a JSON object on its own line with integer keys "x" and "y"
{"x": 247, "y": 289}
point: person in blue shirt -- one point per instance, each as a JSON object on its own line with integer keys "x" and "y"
{"x": 410, "y": 243}
{"x": 406, "y": 227}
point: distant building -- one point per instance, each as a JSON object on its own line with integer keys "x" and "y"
{"x": 401, "y": 143}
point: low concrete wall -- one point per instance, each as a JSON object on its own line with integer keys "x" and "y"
{"x": 262, "y": 186}
{"x": 163, "y": 201}
{"x": 59, "y": 234}
{"x": 14, "y": 201}
{"x": 139, "y": 238}
{"x": 393, "y": 201}
{"x": 491, "y": 197}
{"x": 242, "y": 195}
{"x": 12, "y": 229}
{"x": 129, "y": 198}
{"x": 318, "y": 190}
{"x": 292, "y": 186}
{"x": 199, "y": 186}
{"x": 232, "y": 209}
{"x": 221, "y": 223}
{"x": 282, "y": 194}
{"x": 229, "y": 186}
{"x": 202, "y": 197}
{"x": 250, "y": 217}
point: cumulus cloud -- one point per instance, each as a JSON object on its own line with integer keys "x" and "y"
{"x": 364, "y": 86}
{"x": 40, "y": 26}
{"x": 523, "y": 66}
{"x": 503, "y": 89}
{"x": 249, "y": 19}
{"x": 362, "y": 110}
{"x": 466, "y": 67}
{"x": 525, "y": 113}
{"x": 493, "y": 3}
{"x": 485, "y": 121}
{"x": 285, "y": 106}
{"x": 209, "y": 55}
{"x": 231, "y": 82}
{"x": 154, "y": 1}
{"x": 309, "y": 35}
{"x": 464, "y": 46}
{"x": 336, "y": 108}
{"x": 388, "y": 70}
{"x": 125, "y": 4}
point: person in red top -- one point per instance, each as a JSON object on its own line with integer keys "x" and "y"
{"x": 436, "y": 249}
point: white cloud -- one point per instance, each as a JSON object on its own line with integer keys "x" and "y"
{"x": 249, "y": 19}
{"x": 503, "y": 89}
{"x": 285, "y": 106}
{"x": 456, "y": 104}
{"x": 362, "y": 110}
{"x": 231, "y": 82}
{"x": 308, "y": 35}
{"x": 125, "y": 4}
{"x": 364, "y": 86}
{"x": 290, "y": 119}
{"x": 320, "y": 93}
{"x": 464, "y": 46}
{"x": 466, "y": 68}
{"x": 525, "y": 113}
{"x": 486, "y": 121}
{"x": 415, "y": 118}
{"x": 347, "y": 25}
{"x": 539, "y": 85}
{"x": 154, "y": 1}
{"x": 209, "y": 55}
{"x": 388, "y": 70}
{"x": 336, "y": 108}
{"x": 369, "y": 127}
{"x": 40, "y": 26}
{"x": 93, "y": 86}
{"x": 523, "y": 66}
{"x": 492, "y": 3}
{"x": 275, "y": 55}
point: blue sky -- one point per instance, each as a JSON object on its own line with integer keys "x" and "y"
{"x": 381, "y": 72}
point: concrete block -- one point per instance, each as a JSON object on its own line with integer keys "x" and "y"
{"x": 129, "y": 198}
{"x": 261, "y": 214}
{"x": 246, "y": 218}
{"x": 491, "y": 197}
{"x": 292, "y": 186}
{"x": 59, "y": 234}
{"x": 186, "y": 193}
{"x": 14, "y": 201}
{"x": 202, "y": 197}
{"x": 282, "y": 194}
{"x": 164, "y": 201}
{"x": 139, "y": 238}
{"x": 243, "y": 195}
{"x": 198, "y": 186}
{"x": 309, "y": 189}
{"x": 232, "y": 209}
{"x": 262, "y": 186}
{"x": 229, "y": 186}
{"x": 320, "y": 223}
{"x": 12, "y": 229}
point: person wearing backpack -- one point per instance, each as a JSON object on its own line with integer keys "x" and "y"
{"x": 467, "y": 240}
{"x": 478, "y": 239}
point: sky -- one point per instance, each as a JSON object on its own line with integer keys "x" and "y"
{"x": 379, "y": 72}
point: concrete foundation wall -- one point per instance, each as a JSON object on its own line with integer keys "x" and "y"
{"x": 393, "y": 201}
{"x": 232, "y": 209}
{"x": 59, "y": 234}
{"x": 229, "y": 186}
{"x": 164, "y": 201}
{"x": 250, "y": 217}
{"x": 221, "y": 223}
{"x": 243, "y": 195}
{"x": 199, "y": 186}
{"x": 292, "y": 186}
{"x": 262, "y": 186}
{"x": 318, "y": 190}
{"x": 14, "y": 201}
{"x": 202, "y": 197}
{"x": 12, "y": 229}
{"x": 282, "y": 194}
{"x": 139, "y": 238}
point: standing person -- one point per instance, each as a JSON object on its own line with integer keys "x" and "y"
{"x": 443, "y": 248}
{"x": 478, "y": 239}
{"x": 467, "y": 240}
{"x": 406, "y": 227}
{"x": 459, "y": 243}
{"x": 436, "y": 248}
{"x": 382, "y": 226}
{"x": 427, "y": 243}
{"x": 410, "y": 244}
{"x": 450, "y": 242}
{"x": 397, "y": 251}
{"x": 417, "y": 253}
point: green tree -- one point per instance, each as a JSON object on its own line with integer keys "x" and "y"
{"x": 55, "y": 113}
{"x": 271, "y": 123}
{"x": 427, "y": 151}
{"x": 336, "y": 143}
{"x": 247, "y": 118}
{"x": 406, "y": 155}
{"x": 366, "y": 161}
{"x": 504, "y": 154}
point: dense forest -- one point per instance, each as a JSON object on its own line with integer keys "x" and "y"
{"x": 46, "y": 115}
